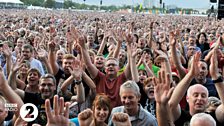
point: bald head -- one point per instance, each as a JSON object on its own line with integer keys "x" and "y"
{"x": 196, "y": 88}
{"x": 202, "y": 119}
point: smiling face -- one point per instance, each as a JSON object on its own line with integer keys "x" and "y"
{"x": 197, "y": 98}
{"x": 47, "y": 88}
{"x": 33, "y": 77}
{"x": 129, "y": 99}
{"x": 101, "y": 113}
{"x": 99, "y": 62}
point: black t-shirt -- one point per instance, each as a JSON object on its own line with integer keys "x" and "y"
{"x": 40, "y": 104}
{"x": 185, "y": 118}
{"x": 144, "y": 96}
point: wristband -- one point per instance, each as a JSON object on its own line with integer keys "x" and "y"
{"x": 78, "y": 82}
{"x": 220, "y": 79}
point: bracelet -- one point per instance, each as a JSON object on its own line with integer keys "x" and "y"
{"x": 220, "y": 79}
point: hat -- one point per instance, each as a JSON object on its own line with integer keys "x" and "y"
{"x": 141, "y": 67}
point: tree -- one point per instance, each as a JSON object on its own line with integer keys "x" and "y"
{"x": 49, "y": 3}
{"x": 68, "y": 4}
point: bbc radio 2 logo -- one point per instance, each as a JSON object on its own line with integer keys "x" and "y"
{"x": 28, "y": 112}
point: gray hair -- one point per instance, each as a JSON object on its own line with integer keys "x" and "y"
{"x": 131, "y": 85}
{"x": 202, "y": 117}
{"x": 193, "y": 87}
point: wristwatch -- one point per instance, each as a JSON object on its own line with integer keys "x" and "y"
{"x": 78, "y": 82}
{"x": 220, "y": 79}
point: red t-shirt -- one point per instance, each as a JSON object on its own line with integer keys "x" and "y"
{"x": 110, "y": 88}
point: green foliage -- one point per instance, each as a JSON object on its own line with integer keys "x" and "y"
{"x": 49, "y": 3}
{"x": 33, "y": 2}
{"x": 68, "y": 4}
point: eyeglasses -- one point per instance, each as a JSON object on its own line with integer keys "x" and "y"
{"x": 112, "y": 64}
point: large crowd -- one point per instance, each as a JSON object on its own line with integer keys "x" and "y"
{"x": 111, "y": 69}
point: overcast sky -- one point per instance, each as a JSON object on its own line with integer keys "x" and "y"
{"x": 179, "y": 3}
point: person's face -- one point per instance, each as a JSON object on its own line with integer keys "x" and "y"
{"x": 186, "y": 35}
{"x": 203, "y": 71}
{"x": 122, "y": 57}
{"x": 191, "y": 41}
{"x": 141, "y": 43}
{"x": 101, "y": 113}
{"x": 111, "y": 67}
{"x": 24, "y": 69}
{"x": 20, "y": 43}
{"x": 191, "y": 51}
{"x": 149, "y": 90}
{"x": 62, "y": 41}
{"x": 211, "y": 37}
{"x": 66, "y": 63}
{"x": 198, "y": 99}
{"x": 201, "y": 39}
{"x": 47, "y": 88}
{"x": 26, "y": 53}
{"x": 33, "y": 78}
{"x": 129, "y": 99}
{"x": 147, "y": 56}
{"x": 90, "y": 39}
{"x": 3, "y": 112}
{"x": 59, "y": 55}
{"x": 142, "y": 75}
{"x": 99, "y": 62}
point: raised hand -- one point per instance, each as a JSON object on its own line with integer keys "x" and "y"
{"x": 129, "y": 38}
{"x": 172, "y": 39}
{"x": 121, "y": 119}
{"x": 81, "y": 41}
{"x": 162, "y": 90}
{"x": 42, "y": 54}
{"x": 134, "y": 50}
{"x": 52, "y": 45}
{"x": 213, "y": 68}
{"x": 18, "y": 64}
{"x": 85, "y": 117}
{"x": 194, "y": 70}
{"x": 59, "y": 116}
{"x": 6, "y": 50}
{"x": 2, "y": 78}
{"x": 76, "y": 70}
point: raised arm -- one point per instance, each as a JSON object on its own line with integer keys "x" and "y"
{"x": 150, "y": 35}
{"x": 213, "y": 69}
{"x": 175, "y": 56}
{"x": 93, "y": 71}
{"x": 52, "y": 57}
{"x": 119, "y": 39}
{"x": 182, "y": 87}
{"x": 103, "y": 43}
{"x": 9, "y": 94}
{"x": 88, "y": 81}
{"x": 76, "y": 75}
{"x": 132, "y": 56}
{"x": 12, "y": 77}
{"x": 127, "y": 71}
{"x": 8, "y": 56}
{"x": 42, "y": 54}
{"x": 162, "y": 95}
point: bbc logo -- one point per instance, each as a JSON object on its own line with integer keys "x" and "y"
{"x": 11, "y": 107}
